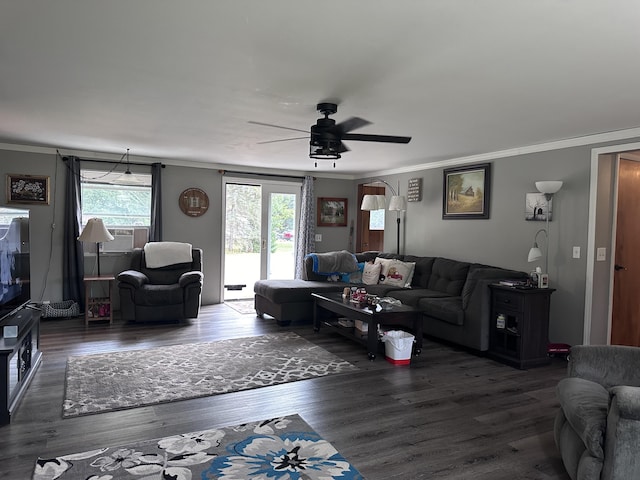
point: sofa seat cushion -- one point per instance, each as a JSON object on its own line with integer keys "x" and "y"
{"x": 412, "y": 296}
{"x": 585, "y": 405}
{"x": 448, "y": 276}
{"x": 447, "y": 309}
{"x": 151, "y": 295}
{"x": 291, "y": 291}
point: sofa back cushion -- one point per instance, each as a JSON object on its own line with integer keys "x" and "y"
{"x": 422, "y": 272}
{"x": 448, "y": 276}
{"x": 479, "y": 272}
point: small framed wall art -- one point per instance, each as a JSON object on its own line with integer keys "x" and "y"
{"x": 466, "y": 192}
{"x": 28, "y": 189}
{"x": 332, "y": 212}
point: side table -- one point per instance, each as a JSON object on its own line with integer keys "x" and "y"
{"x": 98, "y": 308}
{"x": 519, "y": 329}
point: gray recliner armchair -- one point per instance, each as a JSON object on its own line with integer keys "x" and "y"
{"x": 597, "y": 429}
{"x": 170, "y": 292}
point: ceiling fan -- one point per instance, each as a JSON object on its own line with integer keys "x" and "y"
{"x": 325, "y": 141}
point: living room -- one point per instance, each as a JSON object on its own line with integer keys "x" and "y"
{"x": 582, "y": 154}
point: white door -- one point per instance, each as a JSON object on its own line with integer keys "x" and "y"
{"x": 261, "y": 223}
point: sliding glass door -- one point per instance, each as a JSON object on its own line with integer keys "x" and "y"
{"x": 261, "y": 222}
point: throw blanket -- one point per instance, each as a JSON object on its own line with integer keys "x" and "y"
{"x": 332, "y": 263}
{"x": 161, "y": 254}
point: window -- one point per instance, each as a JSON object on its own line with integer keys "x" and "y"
{"x": 125, "y": 209}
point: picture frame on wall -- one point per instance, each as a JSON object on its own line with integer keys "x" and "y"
{"x": 537, "y": 208}
{"x": 27, "y": 189}
{"x": 332, "y": 212}
{"x": 466, "y": 192}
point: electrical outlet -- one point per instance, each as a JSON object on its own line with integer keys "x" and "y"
{"x": 576, "y": 252}
{"x": 601, "y": 254}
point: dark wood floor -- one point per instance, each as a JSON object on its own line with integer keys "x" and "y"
{"x": 450, "y": 415}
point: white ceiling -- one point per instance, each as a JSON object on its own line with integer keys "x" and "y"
{"x": 181, "y": 79}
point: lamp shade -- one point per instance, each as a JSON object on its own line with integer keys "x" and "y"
{"x": 398, "y": 203}
{"x": 373, "y": 202}
{"x": 549, "y": 186}
{"x": 95, "y": 231}
{"x": 534, "y": 254}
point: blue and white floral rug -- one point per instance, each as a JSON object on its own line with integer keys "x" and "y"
{"x": 284, "y": 448}
{"x": 127, "y": 379}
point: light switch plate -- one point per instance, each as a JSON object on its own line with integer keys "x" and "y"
{"x": 576, "y": 252}
{"x": 601, "y": 254}
{"x": 318, "y": 237}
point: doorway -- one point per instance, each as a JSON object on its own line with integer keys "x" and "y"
{"x": 370, "y": 225}
{"x": 625, "y": 316}
{"x": 260, "y": 226}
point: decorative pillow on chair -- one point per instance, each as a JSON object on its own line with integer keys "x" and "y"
{"x": 395, "y": 272}
{"x": 371, "y": 273}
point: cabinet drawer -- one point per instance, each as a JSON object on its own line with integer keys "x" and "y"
{"x": 511, "y": 300}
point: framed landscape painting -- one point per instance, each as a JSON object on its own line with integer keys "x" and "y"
{"x": 466, "y": 192}
{"x": 30, "y": 189}
{"x": 332, "y": 212}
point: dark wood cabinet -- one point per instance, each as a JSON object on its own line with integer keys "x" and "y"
{"x": 519, "y": 329}
{"x": 19, "y": 358}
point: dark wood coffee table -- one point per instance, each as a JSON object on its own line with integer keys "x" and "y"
{"x": 396, "y": 315}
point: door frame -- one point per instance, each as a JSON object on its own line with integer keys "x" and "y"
{"x": 293, "y": 184}
{"x": 592, "y": 310}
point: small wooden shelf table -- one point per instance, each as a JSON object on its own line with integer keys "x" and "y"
{"x": 98, "y": 308}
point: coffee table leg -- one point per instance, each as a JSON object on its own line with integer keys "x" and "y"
{"x": 372, "y": 340}
{"x": 417, "y": 329}
{"x": 316, "y": 324}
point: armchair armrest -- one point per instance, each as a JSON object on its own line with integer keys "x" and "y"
{"x": 133, "y": 277}
{"x": 609, "y": 365}
{"x": 626, "y": 400}
{"x": 188, "y": 278}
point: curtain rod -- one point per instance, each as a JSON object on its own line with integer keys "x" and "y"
{"x": 256, "y": 174}
{"x": 113, "y": 162}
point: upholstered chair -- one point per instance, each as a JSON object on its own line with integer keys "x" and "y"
{"x": 597, "y": 429}
{"x": 161, "y": 293}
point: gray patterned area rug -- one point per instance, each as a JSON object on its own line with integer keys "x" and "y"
{"x": 284, "y": 448}
{"x": 127, "y": 379}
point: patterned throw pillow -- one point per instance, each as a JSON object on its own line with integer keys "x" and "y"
{"x": 371, "y": 273}
{"x": 395, "y": 272}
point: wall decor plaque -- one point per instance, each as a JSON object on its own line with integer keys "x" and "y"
{"x": 414, "y": 191}
{"x": 194, "y": 202}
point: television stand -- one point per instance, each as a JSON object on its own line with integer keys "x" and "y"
{"x": 19, "y": 359}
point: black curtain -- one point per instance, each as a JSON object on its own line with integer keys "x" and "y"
{"x": 155, "y": 232}
{"x": 73, "y": 253}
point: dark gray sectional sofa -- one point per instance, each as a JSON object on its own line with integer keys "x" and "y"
{"x": 453, "y": 296}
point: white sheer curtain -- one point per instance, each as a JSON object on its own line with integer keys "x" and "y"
{"x": 306, "y": 236}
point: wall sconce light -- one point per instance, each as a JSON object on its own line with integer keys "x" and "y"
{"x": 398, "y": 203}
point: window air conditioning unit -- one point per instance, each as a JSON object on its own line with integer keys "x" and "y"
{"x": 122, "y": 240}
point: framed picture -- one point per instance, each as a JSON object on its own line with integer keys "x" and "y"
{"x": 466, "y": 192}
{"x": 30, "y": 189}
{"x": 537, "y": 209}
{"x": 332, "y": 212}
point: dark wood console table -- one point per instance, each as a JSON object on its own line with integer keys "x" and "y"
{"x": 19, "y": 360}
{"x": 396, "y": 315}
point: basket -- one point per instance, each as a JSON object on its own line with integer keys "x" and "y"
{"x": 66, "y": 308}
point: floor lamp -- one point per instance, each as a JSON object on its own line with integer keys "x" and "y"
{"x": 548, "y": 188}
{"x": 398, "y": 203}
{"x": 95, "y": 231}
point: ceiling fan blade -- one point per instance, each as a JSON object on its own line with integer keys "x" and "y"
{"x": 375, "y": 138}
{"x": 283, "y": 140}
{"x": 352, "y": 123}
{"x": 343, "y": 148}
{"x": 277, "y": 126}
